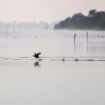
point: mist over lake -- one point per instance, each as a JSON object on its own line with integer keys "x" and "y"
{"x": 58, "y": 78}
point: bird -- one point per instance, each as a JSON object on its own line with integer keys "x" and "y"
{"x": 36, "y": 55}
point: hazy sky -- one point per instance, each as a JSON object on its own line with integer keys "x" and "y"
{"x": 45, "y": 10}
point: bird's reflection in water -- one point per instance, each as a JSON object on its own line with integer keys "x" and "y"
{"x": 36, "y": 64}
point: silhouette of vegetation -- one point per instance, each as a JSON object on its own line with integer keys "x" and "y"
{"x": 94, "y": 20}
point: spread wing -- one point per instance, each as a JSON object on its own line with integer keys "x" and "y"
{"x": 36, "y": 54}
{"x": 39, "y": 53}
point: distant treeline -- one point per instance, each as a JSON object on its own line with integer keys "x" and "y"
{"x": 95, "y": 20}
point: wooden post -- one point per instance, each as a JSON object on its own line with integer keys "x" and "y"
{"x": 74, "y": 38}
{"x": 75, "y": 41}
{"x": 87, "y": 37}
{"x": 6, "y": 30}
{"x": 87, "y": 40}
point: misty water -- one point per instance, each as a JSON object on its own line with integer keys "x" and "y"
{"x": 27, "y": 81}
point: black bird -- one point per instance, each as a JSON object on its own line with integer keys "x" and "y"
{"x": 36, "y": 55}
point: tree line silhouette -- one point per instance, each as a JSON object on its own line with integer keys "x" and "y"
{"x": 95, "y": 20}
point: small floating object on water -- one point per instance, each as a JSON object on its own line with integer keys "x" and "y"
{"x": 63, "y": 59}
{"x": 76, "y": 59}
{"x": 36, "y": 55}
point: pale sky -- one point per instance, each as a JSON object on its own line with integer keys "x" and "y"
{"x": 45, "y": 10}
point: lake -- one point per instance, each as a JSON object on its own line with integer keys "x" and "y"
{"x": 53, "y": 80}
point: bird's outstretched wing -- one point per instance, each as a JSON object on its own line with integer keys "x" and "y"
{"x": 39, "y": 53}
{"x": 34, "y": 55}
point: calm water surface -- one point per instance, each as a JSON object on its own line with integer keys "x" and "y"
{"x": 47, "y": 82}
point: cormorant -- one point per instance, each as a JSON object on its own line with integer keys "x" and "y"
{"x": 36, "y": 55}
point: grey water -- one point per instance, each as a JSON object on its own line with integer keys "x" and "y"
{"x": 27, "y": 81}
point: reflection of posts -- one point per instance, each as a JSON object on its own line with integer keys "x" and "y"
{"x": 74, "y": 41}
